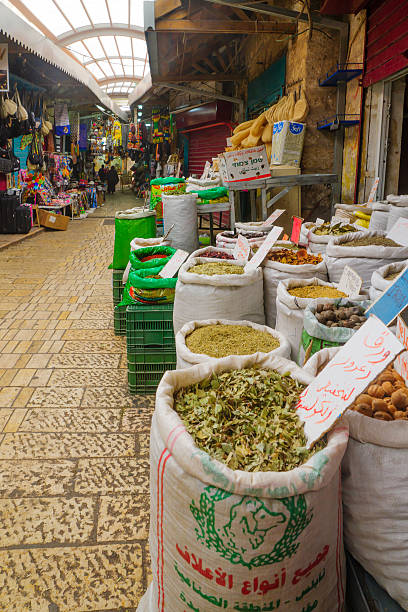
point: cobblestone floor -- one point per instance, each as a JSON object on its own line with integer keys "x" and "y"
{"x": 73, "y": 444}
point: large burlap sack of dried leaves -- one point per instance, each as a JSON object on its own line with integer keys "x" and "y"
{"x": 362, "y": 259}
{"x": 186, "y": 357}
{"x": 375, "y": 491}
{"x": 224, "y": 539}
{"x": 274, "y": 272}
{"x": 223, "y": 296}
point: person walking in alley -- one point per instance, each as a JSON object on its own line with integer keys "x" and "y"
{"x": 112, "y": 178}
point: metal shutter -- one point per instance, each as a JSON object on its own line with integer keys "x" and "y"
{"x": 204, "y": 144}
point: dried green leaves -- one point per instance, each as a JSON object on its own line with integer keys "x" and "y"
{"x": 246, "y": 419}
{"x": 222, "y": 340}
{"x": 216, "y": 268}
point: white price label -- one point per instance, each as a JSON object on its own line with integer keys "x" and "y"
{"x": 373, "y": 190}
{"x": 174, "y": 264}
{"x": 242, "y": 248}
{"x": 350, "y": 282}
{"x": 399, "y": 232}
{"x": 263, "y": 250}
{"x": 319, "y": 222}
{"x": 347, "y": 375}
{"x": 276, "y": 213}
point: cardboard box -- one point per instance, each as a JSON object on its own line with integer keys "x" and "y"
{"x": 247, "y": 165}
{"x": 287, "y": 143}
{"x": 53, "y": 221}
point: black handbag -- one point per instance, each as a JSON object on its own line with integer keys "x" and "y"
{"x": 6, "y": 165}
{"x": 35, "y": 154}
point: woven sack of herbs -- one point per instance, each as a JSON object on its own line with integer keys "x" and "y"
{"x": 198, "y": 341}
{"x": 275, "y": 271}
{"x": 364, "y": 252}
{"x": 241, "y": 513}
{"x": 217, "y": 290}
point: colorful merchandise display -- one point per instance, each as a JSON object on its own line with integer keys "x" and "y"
{"x": 164, "y": 186}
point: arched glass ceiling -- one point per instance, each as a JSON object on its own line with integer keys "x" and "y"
{"x": 106, "y": 36}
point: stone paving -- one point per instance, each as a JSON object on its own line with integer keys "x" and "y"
{"x": 74, "y": 464}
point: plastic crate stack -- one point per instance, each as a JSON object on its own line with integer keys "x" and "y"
{"x": 119, "y": 312}
{"x": 151, "y": 348}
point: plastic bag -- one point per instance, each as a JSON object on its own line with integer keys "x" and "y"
{"x": 128, "y": 225}
{"x": 146, "y": 287}
{"x": 181, "y": 211}
{"x": 150, "y": 257}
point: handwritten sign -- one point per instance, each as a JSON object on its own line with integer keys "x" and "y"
{"x": 276, "y": 213}
{"x": 399, "y": 232}
{"x": 356, "y": 364}
{"x": 350, "y": 282}
{"x": 242, "y": 248}
{"x": 373, "y": 190}
{"x": 319, "y": 222}
{"x": 401, "y": 362}
{"x": 296, "y": 227}
{"x": 392, "y": 301}
{"x": 264, "y": 249}
{"x": 174, "y": 264}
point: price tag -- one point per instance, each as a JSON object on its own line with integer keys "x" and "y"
{"x": 347, "y": 375}
{"x": 399, "y": 232}
{"x": 296, "y": 227}
{"x": 392, "y": 301}
{"x": 319, "y": 222}
{"x": 276, "y": 213}
{"x": 350, "y": 282}
{"x": 401, "y": 362}
{"x": 174, "y": 264}
{"x": 373, "y": 190}
{"x": 263, "y": 250}
{"x": 242, "y": 248}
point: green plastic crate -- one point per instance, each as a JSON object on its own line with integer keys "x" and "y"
{"x": 149, "y": 326}
{"x": 119, "y": 320}
{"x": 146, "y": 368}
{"x": 117, "y": 286}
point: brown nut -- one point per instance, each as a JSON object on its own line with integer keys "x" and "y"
{"x": 385, "y": 377}
{"x": 401, "y": 415}
{"x": 376, "y": 391}
{"x": 379, "y": 405}
{"x": 388, "y": 388}
{"x": 364, "y": 409}
{"x": 364, "y": 399}
{"x": 383, "y": 416}
{"x": 399, "y": 399}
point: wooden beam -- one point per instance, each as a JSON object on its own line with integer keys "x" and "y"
{"x": 187, "y": 78}
{"x": 241, "y": 14}
{"x": 221, "y": 60}
{"x": 198, "y": 68}
{"x": 227, "y": 26}
{"x": 210, "y": 64}
{"x": 164, "y": 7}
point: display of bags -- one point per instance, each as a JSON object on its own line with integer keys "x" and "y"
{"x": 274, "y": 272}
{"x": 180, "y": 211}
{"x": 378, "y": 280}
{"x": 135, "y": 222}
{"x": 375, "y": 490}
{"x": 290, "y": 309}
{"x": 363, "y": 259}
{"x": 234, "y": 540}
{"x": 145, "y": 286}
{"x": 226, "y": 296}
{"x": 138, "y": 243}
{"x": 186, "y": 358}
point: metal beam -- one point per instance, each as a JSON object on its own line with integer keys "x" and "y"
{"x": 186, "y": 78}
{"x": 101, "y": 29}
{"x": 114, "y": 57}
{"x": 222, "y": 26}
{"x": 208, "y": 94}
{"x": 118, "y": 79}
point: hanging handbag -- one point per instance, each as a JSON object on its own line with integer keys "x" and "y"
{"x": 6, "y": 164}
{"x": 10, "y": 106}
{"x": 21, "y": 112}
{"x": 35, "y": 157}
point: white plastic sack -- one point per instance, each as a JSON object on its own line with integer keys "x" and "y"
{"x": 378, "y": 221}
{"x": 364, "y": 259}
{"x": 181, "y": 210}
{"x": 397, "y": 200}
{"x": 225, "y": 240}
{"x": 304, "y": 232}
{"x": 253, "y": 226}
{"x": 318, "y": 244}
{"x": 378, "y": 282}
{"x": 230, "y": 540}
{"x": 274, "y": 272}
{"x": 396, "y": 212}
{"x": 290, "y": 309}
{"x": 238, "y": 297}
{"x": 134, "y": 213}
{"x": 319, "y": 360}
{"x": 199, "y": 253}
{"x": 375, "y": 492}
{"x": 186, "y": 358}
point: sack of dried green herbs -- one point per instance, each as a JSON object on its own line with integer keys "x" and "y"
{"x": 218, "y": 338}
{"x": 233, "y": 539}
{"x": 220, "y": 296}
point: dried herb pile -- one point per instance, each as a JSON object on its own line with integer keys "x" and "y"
{"x": 392, "y": 276}
{"x": 371, "y": 241}
{"x": 316, "y": 291}
{"x": 246, "y": 419}
{"x": 333, "y": 230}
{"x": 222, "y": 340}
{"x": 213, "y": 268}
{"x": 294, "y": 258}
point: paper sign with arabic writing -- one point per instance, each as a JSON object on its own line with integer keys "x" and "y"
{"x": 347, "y": 375}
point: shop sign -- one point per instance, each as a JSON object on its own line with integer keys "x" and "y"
{"x": 347, "y": 375}
{"x": 4, "y": 68}
{"x": 393, "y": 301}
{"x": 247, "y": 164}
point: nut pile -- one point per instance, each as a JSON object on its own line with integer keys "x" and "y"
{"x": 345, "y": 315}
{"x": 216, "y": 254}
{"x": 386, "y": 399}
{"x": 293, "y": 258}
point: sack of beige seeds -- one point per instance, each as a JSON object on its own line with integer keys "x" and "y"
{"x": 223, "y": 539}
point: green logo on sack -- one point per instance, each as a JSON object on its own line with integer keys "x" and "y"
{"x": 250, "y": 524}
